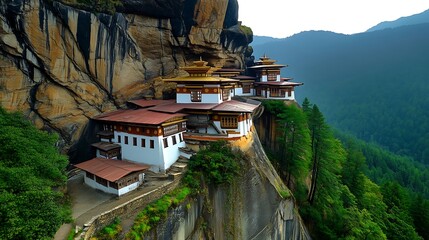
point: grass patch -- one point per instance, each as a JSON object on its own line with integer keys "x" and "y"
{"x": 285, "y": 194}
{"x": 111, "y": 231}
{"x": 156, "y": 211}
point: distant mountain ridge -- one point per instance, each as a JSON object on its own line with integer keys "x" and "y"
{"x": 258, "y": 40}
{"x": 422, "y": 17}
{"x": 372, "y": 84}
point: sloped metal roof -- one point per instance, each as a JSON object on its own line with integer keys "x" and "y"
{"x": 110, "y": 169}
{"x": 139, "y": 116}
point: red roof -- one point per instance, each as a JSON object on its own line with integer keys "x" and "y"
{"x": 176, "y": 107}
{"x": 235, "y": 106}
{"x": 110, "y": 169}
{"x": 143, "y": 103}
{"x": 139, "y": 116}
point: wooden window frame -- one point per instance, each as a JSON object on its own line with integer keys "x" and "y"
{"x": 196, "y": 95}
{"x": 246, "y": 88}
{"x": 143, "y": 143}
{"x": 229, "y": 122}
{"x": 165, "y": 141}
{"x": 226, "y": 93}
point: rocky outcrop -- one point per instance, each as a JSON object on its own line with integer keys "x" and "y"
{"x": 251, "y": 208}
{"x": 61, "y": 65}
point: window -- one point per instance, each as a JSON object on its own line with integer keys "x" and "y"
{"x": 143, "y": 142}
{"x": 169, "y": 130}
{"x": 174, "y": 140}
{"x": 90, "y": 175}
{"x": 165, "y": 142}
{"x": 134, "y": 141}
{"x": 126, "y": 139}
{"x": 119, "y": 139}
{"x": 275, "y": 92}
{"x": 101, "y": 181}
{"x": 225, "y": 94}
{"x": 152, "y": 144}
{"x": 272, "y": 76}
{"x": 196, "y": 95}
{"x": 113, "y": 185}
{"x": 180, "y": 137}
{"x": 246, "y": 88}
{"x": 229, "y": 122}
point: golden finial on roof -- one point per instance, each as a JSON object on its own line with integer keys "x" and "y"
{"x": 264, "y": 57}
{"x": 200, "y": 63}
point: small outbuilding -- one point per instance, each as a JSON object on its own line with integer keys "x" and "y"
{"x": 113, "y": 176}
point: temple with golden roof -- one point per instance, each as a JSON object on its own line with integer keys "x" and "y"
{"x": 154, "y": 134}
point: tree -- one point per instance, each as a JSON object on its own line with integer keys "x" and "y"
{"x": 399, "y": 222}
{"x": 318, "y": 132}
{"x": 352, "y": 175}
{"x": 420, "y": 214}
{"x": 31, "y": 171}
{"x": 295, "y": 144}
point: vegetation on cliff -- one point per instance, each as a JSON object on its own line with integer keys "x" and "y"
{"x": 32, "y": 177}
{"x": 101, "y": 6}
{"x": 338, "y": 201}
{"x": 217, "y": 164}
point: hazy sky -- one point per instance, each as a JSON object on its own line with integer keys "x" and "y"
{"x": 283, "y": 18}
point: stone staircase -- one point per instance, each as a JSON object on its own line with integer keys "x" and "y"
{"x": 153, "y": 176}
{"x": 186, "y": 152}
{"x": 181, "y": 165}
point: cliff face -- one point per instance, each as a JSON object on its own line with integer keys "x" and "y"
{"x": 251, "y": 208}
{"x": 61, "y": 66}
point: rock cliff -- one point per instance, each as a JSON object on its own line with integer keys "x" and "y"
{"x": 61, "y": 66}
{"x": 251, "y": 208}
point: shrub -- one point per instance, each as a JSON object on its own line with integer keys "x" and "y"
{"x": 155, "y": 211}
{"x": 218, "y": 164}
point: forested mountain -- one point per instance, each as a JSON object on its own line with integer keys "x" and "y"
{"x": 422, "y": 17}
{"x": 339, "y": 201}
{"x": 373, "y": 85}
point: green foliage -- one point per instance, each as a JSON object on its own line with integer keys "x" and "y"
{"x": 342, "y": 202}
{"x": 111, "y": 231}
{"x": 99, "y": 6}
{"x": 155, "y": 212}
{"x": 31, "y": 168}
{"x": 248, "y": 32}
{"x": 382, "y": 165}
{"x": 217, "y": 163}
{"x": 293, "y": 159}
{"x": 285, "y": 194}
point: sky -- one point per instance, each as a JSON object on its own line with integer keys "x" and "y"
{"x": 283, "y": 18}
